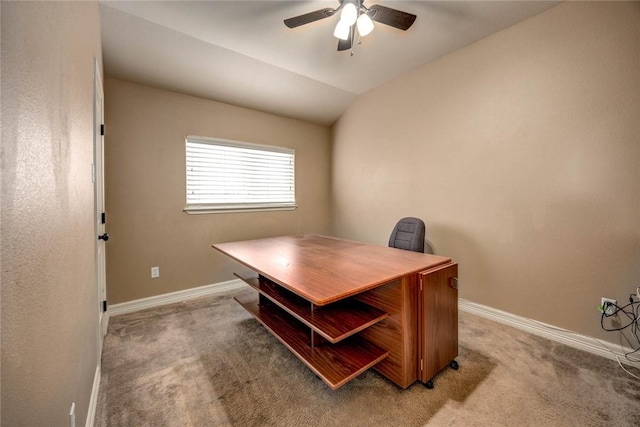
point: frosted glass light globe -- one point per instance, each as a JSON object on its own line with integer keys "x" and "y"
{"x": 349, "y": 14}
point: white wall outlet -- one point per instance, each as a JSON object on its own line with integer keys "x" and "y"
{"x": 155, "y": 272}
{"x": 610, "y": 309}
{"x": 72, "y": 415}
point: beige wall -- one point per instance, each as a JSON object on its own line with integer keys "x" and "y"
{"x": 49, "y": 299}
{"x": 522, "y": 154}
{"x": 145, "y": 188}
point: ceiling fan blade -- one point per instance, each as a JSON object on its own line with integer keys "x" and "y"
{"x": 346, "y": 44}
{"x": 296, "y": 21}
{"x": 392, "y": 17}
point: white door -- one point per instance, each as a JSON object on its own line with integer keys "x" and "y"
{"x": 101, "y": 235}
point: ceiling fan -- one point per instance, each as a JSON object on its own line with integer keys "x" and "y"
{"x": 354, "y": 15}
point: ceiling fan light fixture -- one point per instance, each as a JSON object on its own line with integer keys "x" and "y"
{"x": 355, "y": 19}
{"x": 365, "y": 25}
{"x": 342, "y": 30}
{"x": 349, "y": 14}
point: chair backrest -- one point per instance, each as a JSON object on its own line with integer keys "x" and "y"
{"x": 408, "y": 234}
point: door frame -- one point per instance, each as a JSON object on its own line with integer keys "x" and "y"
{"x": 99, "y": 208}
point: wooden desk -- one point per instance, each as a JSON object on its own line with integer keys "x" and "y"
{"x": 343, "y": 306}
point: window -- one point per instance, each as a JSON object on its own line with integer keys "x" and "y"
{"x": 232, "y": 176}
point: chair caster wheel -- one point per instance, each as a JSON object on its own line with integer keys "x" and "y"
{"x": 429, "y": 384}
{"x": 454, "y": 365}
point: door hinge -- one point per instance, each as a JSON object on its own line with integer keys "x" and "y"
{"x": 420, "y": 283}
{"x": 104, "y": 306}
{"x": 421, "y": 365}
{"x": 102, "y": 129}
{"x": 103, "y": 218}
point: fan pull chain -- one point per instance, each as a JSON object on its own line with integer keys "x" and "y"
{"x": 359, "y": 42}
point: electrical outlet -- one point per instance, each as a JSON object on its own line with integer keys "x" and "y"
{"x": 72, "y": 415}
{"x": 155, "y": 272}
{"x": 610, "y": 308}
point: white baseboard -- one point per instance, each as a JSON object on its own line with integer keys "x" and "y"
{"x": 93, "y": 401}
{"x": 220, "y": 288}
{"x": 570, "y": 338}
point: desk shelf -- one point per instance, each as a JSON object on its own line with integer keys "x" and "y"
{"x": 334, "y": 322}
{"x": 335, "y": 364}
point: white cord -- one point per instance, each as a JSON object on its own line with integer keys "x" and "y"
{"x": 616, "y": 356}
{"x": 597, "y": 341}
{"x": 623, "y": 368}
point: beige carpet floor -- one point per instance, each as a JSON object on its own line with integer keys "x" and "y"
{"x": 207, "y": 362}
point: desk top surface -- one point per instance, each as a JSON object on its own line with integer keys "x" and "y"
{"x": 326, "y": 269}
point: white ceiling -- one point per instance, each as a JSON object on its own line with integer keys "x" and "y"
{"x": 241, "y": 53}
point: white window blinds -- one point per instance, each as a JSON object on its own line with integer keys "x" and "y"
{"x": 227, "y": 176}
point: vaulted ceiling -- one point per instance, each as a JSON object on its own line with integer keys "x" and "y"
{"x": 241, "y": 53}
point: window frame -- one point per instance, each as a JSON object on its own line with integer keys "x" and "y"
{"x": 205, "y": 208}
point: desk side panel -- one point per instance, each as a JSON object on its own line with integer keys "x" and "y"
{"x": 398, "y": 333}
{"x": 440, "y": 319}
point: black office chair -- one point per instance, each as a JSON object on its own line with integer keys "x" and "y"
{"x": 408, "y": 234}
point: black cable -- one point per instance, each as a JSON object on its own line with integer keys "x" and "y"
{"x": 634, "y": 317}
{"x": 635, "y": 329}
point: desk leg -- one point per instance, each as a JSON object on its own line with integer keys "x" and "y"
{"x": 317, "y": 339}
{"x": 262, "y": 300}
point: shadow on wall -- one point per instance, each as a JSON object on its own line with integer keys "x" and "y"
{"x": 428, "y": 247}
{"x": 461, "y": 248}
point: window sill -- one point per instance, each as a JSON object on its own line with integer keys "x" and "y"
{"x": 200, "y": 210}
